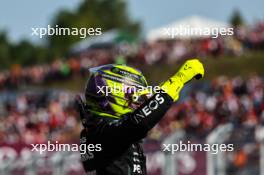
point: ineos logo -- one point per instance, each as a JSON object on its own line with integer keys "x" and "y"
{"x": 149, "y": 107}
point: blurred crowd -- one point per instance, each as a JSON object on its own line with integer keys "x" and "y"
{"x": 167, "y": 52}
{"x": 36, "y": 117}
{"x": 223, "y": 100}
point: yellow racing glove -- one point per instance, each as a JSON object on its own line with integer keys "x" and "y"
{"x": 190, "y": 69}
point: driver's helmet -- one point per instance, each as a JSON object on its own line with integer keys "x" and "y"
{"x": 113, "y": 90}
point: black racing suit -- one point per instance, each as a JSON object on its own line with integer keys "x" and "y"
{"x": 121, "y": 152}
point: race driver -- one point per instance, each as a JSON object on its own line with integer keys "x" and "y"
{"x": 119, "y": 120}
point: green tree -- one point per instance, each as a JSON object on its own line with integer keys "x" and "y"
{"x": 104, "y": 14}
{"x": 25, "y": 53}
{"x": 4, "y": 50}
{"x": 236, "y": 19}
